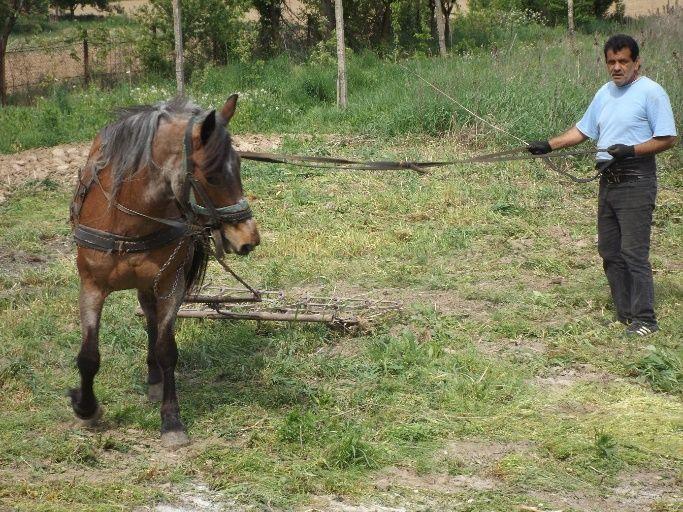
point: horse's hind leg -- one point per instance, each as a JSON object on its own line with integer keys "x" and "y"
{"x": 148, "y": 303}
{"x": 172, "y": 429}
{"x": 83, "y": 399}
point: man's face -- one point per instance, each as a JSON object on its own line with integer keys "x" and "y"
{"x": 621, "y": 66}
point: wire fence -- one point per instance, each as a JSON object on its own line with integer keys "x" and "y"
{"x": 31, "y": 70}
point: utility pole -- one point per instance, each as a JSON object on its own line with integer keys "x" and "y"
{"x": 570, "y": 16}
{"x": 341, "y": 55}
{"x": 179, "y": 61}
{"x": 440, "y": 27}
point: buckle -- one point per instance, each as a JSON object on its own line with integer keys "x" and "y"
{"x": 611, "y": 178}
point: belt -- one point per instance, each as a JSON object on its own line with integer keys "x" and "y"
{"x": 614, "y": 178}
{"x": 628, "y": 169}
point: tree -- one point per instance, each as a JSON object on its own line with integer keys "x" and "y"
{"x": 440, "y": 27}
{"x": 10, "y": 12}
{"x": 447, "y": 7}
{"x": 270, "y": 24}
{"x": 555, "y": 11}
{"x": 214, "y": 31}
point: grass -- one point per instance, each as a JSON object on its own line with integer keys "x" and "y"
{"x": 502, "y": 384}
{"x": 518, "y": 89}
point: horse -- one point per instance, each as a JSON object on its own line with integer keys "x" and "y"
{"x": 159, "y": 185}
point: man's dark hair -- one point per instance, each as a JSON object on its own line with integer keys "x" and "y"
{"x": 620, "y": 41}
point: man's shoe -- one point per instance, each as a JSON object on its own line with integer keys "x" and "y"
{"x": 623, "y": 319}
{"x": 641, "y": 329}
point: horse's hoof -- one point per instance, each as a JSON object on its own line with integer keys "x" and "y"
{"x": 155, "y": 392}
{"x": 174, "y": 439}
{"x": 90, "y": 422}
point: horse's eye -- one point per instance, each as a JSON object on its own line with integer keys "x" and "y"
{"x": 214, "y": 179}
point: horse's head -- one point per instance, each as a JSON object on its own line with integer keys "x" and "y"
{"x": 216, "y": 183}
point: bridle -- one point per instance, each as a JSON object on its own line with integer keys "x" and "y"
{"x": 189, "y": 225}
{"x": 232, "y": 214}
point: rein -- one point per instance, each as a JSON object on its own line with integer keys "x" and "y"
{"x": 422, "y": 167}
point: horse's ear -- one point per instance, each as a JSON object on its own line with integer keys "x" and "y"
{"x": 208, "y": 126}
{"x": 228, "y": 109}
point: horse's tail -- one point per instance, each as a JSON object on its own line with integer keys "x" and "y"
{"x": 200, "y": 259}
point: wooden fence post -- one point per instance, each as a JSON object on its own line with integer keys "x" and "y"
{"x": 3, "y": 72}
{"x": 86, "y": 60}
{"x": 179, "y": 60}
{"x": 570, "y": 17}
{"x": 341, "y": 55}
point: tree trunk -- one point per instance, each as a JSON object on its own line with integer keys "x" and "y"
{"x": 179, "y": 61}
{"x": 570, "y": 16}
{"x": 328, "y": 10}
{"x": 446, "y": 9}
{"x": 341, "y": 55}
{"x": 270, "y": 20}
{"x": 3, "y": 83}
{"x": 441, "y": 28}
{"x": 383, "y": 32}
{"x": 4, "y": 37}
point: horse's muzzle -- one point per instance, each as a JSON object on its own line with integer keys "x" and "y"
{"x": 241, "y": 238}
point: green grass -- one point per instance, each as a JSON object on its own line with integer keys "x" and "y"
{"x": 532, "y": 89}
{"x": 279, "y": 413}
{"x": 503, "y": 372}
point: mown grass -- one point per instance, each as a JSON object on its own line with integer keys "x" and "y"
{"x": 505, "y": 340}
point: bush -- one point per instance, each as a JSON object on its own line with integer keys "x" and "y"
{"x": 487, "y": 28}
{"x": 214, "y": 31}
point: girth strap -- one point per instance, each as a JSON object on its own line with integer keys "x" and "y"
{"x": 92, "y": 238}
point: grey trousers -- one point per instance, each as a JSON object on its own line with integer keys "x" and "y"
{"x": 624, "y": 225}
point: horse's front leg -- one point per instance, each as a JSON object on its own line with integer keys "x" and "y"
{"x": 83, "y": 400}
{"x": 148, "y": 303}
{"x": 173, "y": 433}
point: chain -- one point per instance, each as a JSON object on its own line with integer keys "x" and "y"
{"x": 179, "y": 271}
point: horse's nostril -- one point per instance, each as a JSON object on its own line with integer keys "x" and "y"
{"x": 245, "y": 249}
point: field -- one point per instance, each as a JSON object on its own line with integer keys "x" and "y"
{"x": 503, "y": 386}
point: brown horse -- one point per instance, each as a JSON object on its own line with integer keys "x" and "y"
{"x": 158, "y": 185}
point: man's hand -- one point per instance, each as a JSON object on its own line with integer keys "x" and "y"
{"x": 539, "y": 147}
{"x": 621, "y": 151}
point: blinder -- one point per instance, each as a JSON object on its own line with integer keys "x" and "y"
{"x": 232, "y": 214}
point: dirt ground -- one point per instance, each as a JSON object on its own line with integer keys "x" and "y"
{"x": 61, "y": 163}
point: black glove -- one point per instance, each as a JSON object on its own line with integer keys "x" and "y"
{"x": 620, "y": 151}
{"x": 539, "y": 147}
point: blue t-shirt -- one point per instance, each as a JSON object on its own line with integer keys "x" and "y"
{"x": 630, "y": 114}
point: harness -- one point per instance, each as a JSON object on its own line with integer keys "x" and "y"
{"x": 187, "y": 226}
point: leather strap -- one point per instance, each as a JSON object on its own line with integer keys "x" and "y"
{"x": 92, "y": 238}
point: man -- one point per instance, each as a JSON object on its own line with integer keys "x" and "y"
{"x": 631, "y": 118}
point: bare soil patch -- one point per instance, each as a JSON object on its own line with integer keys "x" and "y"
{"x": 635, "y": 492}
{"x": 335, "y": 504}
{"x": 558, "y": 379}
{"x": 478, "y": 453}
{"x": 443, "y": 483}
{"x": 61, "y": 163}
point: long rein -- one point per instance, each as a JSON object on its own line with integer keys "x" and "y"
{"x": 423, "y": 166}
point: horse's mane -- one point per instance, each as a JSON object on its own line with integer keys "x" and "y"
{"x": 126, "y": 144}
